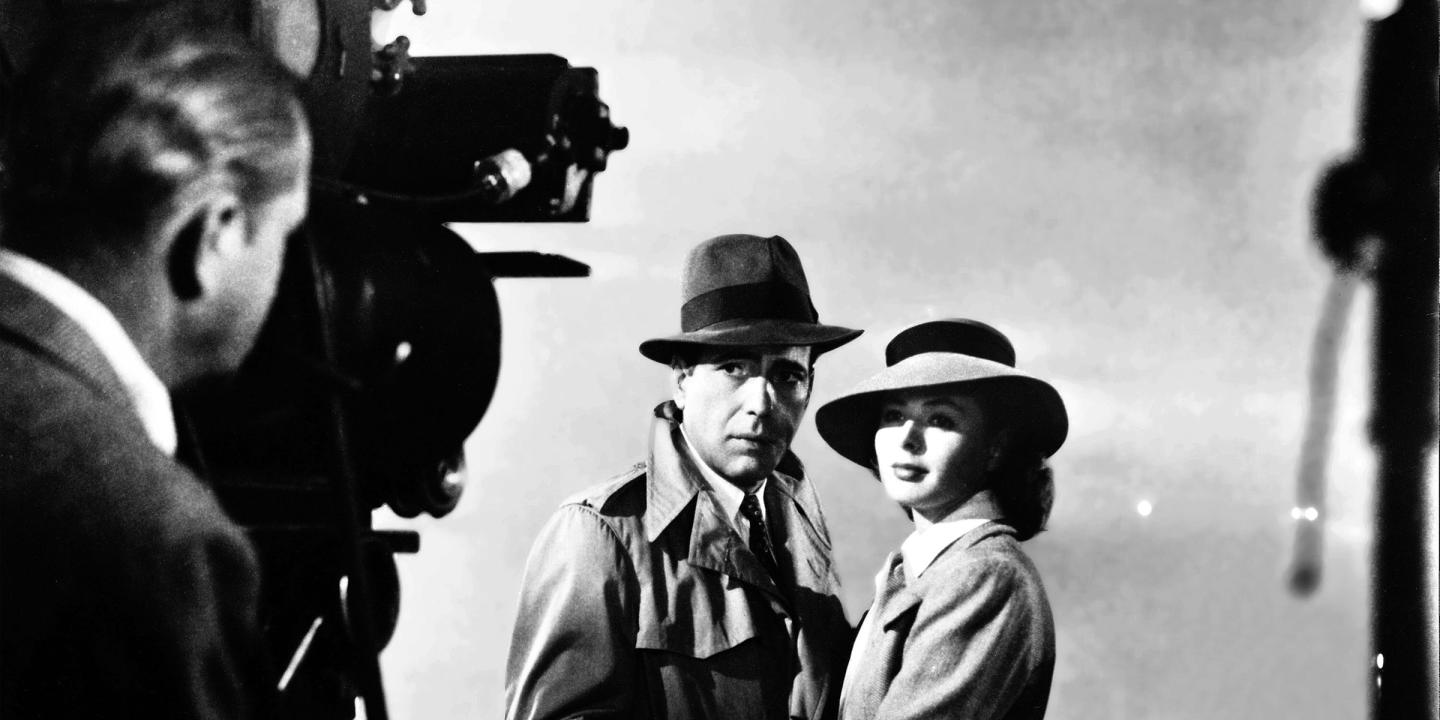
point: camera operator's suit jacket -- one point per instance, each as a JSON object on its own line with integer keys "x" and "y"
{"x": 124, "y": 590}
{"x": 641, "y": 601}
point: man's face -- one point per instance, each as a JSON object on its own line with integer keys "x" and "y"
{"x": 250, "y": 283}
{"x": 742, "y": 406}
{"x": 256, "y": 274}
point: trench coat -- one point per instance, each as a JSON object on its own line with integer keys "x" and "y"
{"x": 125, "y": 590}
{"x": 971, "y": 639}
{"x": 641, "y": 601}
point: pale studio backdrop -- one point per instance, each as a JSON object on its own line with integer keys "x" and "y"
{"x": 1120, "y": 185}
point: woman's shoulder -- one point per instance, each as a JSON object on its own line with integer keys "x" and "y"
{"x": 988, "y": 555}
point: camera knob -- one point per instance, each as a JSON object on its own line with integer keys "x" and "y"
{"x": 392, "y": 65}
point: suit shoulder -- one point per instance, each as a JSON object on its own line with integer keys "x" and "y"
{"x": 621, "y": 494}
{"x": 90, "y": 465}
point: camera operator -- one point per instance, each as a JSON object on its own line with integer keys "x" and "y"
{"x": 153, "y": 172}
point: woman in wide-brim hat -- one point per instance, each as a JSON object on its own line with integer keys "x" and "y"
{"x": 961, "y": 626}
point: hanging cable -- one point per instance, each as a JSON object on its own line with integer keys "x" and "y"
{"x": 1309, "y": 512}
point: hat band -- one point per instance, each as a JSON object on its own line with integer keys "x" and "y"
{"x": 949, "y": 336}
{"x": 769, "y": 300}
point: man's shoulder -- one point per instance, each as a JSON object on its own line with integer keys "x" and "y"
{"x": 39, "y": 339}
{"x": 586, "y": 523}
{"x": 622, "y": 494}
{"x": 84, "y": 462}
{"x": 42, "y": 396}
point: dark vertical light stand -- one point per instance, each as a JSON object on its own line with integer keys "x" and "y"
{"x": 1399, "y": 137}
{"x": 1387, "y": 193}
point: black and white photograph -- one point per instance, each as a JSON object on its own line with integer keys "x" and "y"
{"x": 850, "y": 360}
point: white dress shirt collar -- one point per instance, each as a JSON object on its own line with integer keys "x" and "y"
{"x": 146, "y": 391}
{"x": 726, "y": 492}
{"x": 923, "y": 546}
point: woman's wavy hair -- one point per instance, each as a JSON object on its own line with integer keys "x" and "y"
{"x": 1023, "y": 484}
{"x": 1019, "y": 475}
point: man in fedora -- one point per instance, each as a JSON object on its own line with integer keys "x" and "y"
{"x": 699, "y": 583}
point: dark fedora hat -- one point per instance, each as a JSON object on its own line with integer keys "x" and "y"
{"x": 746, "y": 290}
{"x": 946, "y": 356}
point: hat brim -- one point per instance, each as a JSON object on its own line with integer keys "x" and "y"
{"x": 741, "y": 332}
{"x": 848, "y": 423}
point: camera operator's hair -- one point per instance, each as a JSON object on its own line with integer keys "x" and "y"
{"x": 112, "y": 124}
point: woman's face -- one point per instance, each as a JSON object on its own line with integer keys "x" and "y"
{"x": 931, "y": 451}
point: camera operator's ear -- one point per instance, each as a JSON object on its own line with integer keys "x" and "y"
{"x": 201, "y": 244}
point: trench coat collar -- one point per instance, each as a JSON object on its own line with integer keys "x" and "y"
{"x": 909, "y": 596}
{"x": 675, "y": 483}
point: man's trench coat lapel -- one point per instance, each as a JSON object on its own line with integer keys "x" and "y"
{"x": 675, "y": 482}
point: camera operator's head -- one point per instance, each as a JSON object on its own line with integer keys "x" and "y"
{"x": 160, "y": 165}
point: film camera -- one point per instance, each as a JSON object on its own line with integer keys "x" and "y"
{"x": 382, "y": 351}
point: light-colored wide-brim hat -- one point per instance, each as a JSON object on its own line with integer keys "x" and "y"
{"x": 946, "y": 356}
{"x": 746, "y": 290}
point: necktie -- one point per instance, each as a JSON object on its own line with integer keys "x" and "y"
{"x": 760, "y": 536}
